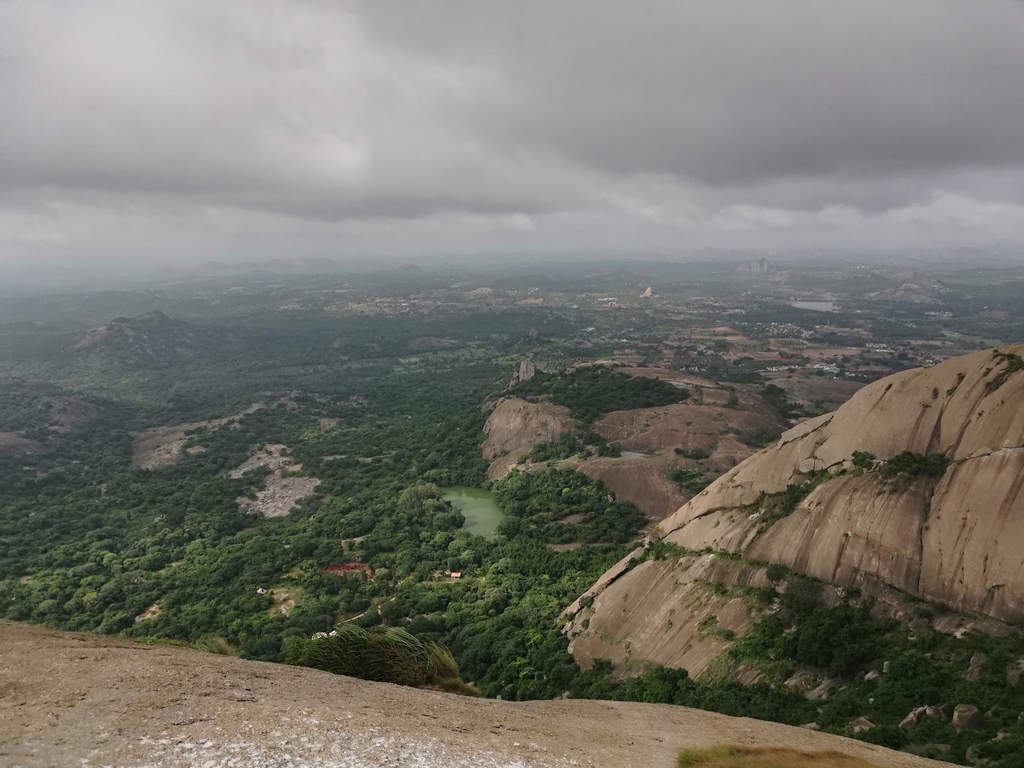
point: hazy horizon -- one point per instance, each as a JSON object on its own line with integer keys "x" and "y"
{"x": 158, "y": 137}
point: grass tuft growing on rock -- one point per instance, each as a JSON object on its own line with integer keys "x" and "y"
{"x": 732, "y": 756}
{"x": 389, "y": 655}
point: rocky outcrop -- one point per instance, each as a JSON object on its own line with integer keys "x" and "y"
{"x": 515, "y": 426}
{"x": 757, "y": 267}
{"x": 527, "y": 370}
{"x": 967, "y": 717}
{"x": 953, "y": 540}
{"x": 714, "y": 423}
{"x": 631, "y": 623}
{"x": 640, "y": 480}
{"x": 15, "y": 444}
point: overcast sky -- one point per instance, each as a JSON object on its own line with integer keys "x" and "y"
{"x": 154, "y": 132}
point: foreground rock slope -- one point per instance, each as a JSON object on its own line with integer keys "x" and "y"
{"x": 954, "y": 540}
{"x": 79, "y": 699}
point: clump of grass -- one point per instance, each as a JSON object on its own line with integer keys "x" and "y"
{"x": 732, "y": 756}
{"x": 214, "y": 644}
{"x": 207, "y": 644}
{"x": 389, "y": 655}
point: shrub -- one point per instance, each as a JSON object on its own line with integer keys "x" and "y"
{"x": 863, "y": 460}
{"x": 693, "y": 481}
{"x": 909, "y": 464}
{"x": 389, "y": 655}
{"x": 214, "y": 644}
{"x": 776, "y": 572}
{"x": 696, "y": 454}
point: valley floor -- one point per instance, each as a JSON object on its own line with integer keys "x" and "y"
{"x": 81, "y": 699}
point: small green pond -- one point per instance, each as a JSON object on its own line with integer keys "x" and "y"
{"x": 481, "y": 510}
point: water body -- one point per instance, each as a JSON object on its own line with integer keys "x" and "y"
{"x": 481, "y": 510}
{"x": 816, "y": 306}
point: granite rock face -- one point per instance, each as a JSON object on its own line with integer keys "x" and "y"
{"x": 954, "y": 540}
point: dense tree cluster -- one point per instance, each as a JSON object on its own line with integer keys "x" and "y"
{"x": 591, "y": 392}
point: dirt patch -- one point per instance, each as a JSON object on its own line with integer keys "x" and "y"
{"x": 78, "y": 699}
{"x": 279, "y": 495}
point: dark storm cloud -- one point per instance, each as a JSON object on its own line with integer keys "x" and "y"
{"x": 134, "y": 127}
{"x": 730, "y": 92}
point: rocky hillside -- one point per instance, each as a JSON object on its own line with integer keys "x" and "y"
{"x": 515, "y": 426}
{"x": 912, "y": 490}
{"x": 78, "y": 699}
{"x": 151, "y": 340}
{"x": 703, "y": 437}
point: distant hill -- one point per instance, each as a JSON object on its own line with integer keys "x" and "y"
{"x": 151, "y": 340}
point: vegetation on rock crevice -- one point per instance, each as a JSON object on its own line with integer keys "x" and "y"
{"x": 734, "y": 756}
{"x": 773, "y": 507}
{"x": 1012, "y": 364}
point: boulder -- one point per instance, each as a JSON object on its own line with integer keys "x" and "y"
{"x": 1014, "y": 672}
{"x": 872, "y": 676}
{"x": 861, "y": 724}
{"x": 973, "y": 673}
{"x": 811, "y": 726}
{"x": 967, "y": 718}
{"x": 910, "y": 721}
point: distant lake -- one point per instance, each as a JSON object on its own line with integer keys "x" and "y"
{"x": 816, "y": 306}
{"x": 481, "y": 510}
{"x": 632, "y": 455}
